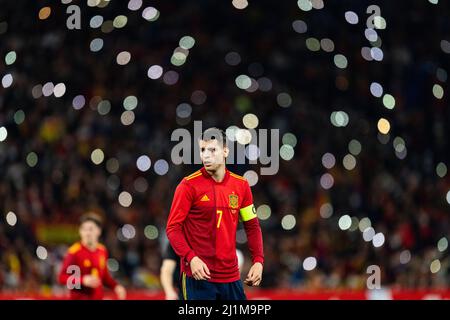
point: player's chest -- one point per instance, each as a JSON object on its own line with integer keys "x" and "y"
{"x": 91, "y": 262}
{"x": 217, "y": 197}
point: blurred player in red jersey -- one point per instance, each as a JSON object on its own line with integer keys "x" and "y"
{"x": 84, "y": 269}
{"x": 202, "y": 224}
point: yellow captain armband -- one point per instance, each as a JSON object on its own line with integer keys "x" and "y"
{"x": 247, "y": 213}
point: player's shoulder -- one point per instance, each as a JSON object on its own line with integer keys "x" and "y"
{"x": 237, "y": 178}
{"x": 193, "y": 176}
{"x": 74, "y": 248}
{"x": 101, "y": 247}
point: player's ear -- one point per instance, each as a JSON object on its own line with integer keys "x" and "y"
{"x": 226, "y": 151}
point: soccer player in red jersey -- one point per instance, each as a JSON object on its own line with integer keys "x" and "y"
{"x": 84, "y": 269}
{"x": 202, "y": 224}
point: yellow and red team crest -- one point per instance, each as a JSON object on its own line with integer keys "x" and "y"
{"x": 233, "y": 201}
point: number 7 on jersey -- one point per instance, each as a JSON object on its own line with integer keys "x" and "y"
{"x": 219, "y": 212}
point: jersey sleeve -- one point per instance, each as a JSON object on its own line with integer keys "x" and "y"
{"x": 251, "y": 226}
{"x": 181, "y": 204}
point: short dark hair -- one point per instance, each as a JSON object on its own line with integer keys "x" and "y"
{"x": 214, "y": 134}
{"x": 92, "y": 216}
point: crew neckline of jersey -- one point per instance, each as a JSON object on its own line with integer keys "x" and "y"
{"x": 208, "y": 176}
{"x": 88, "y": 249}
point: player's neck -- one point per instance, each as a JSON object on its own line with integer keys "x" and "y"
{"x": 91, "y": 245}
{"x": 217, "y": 175}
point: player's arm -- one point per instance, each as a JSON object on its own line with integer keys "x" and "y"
{"x": 254, "y": 238}
{"x": 167, "y": 269}
{"x": 179, "y": 210}
{"x": 181, "y": 204}
{"x": 109, "y": 281}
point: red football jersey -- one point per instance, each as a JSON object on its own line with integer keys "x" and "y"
{"x": 203, "y": 222}
{"x": 89, "y": 263}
